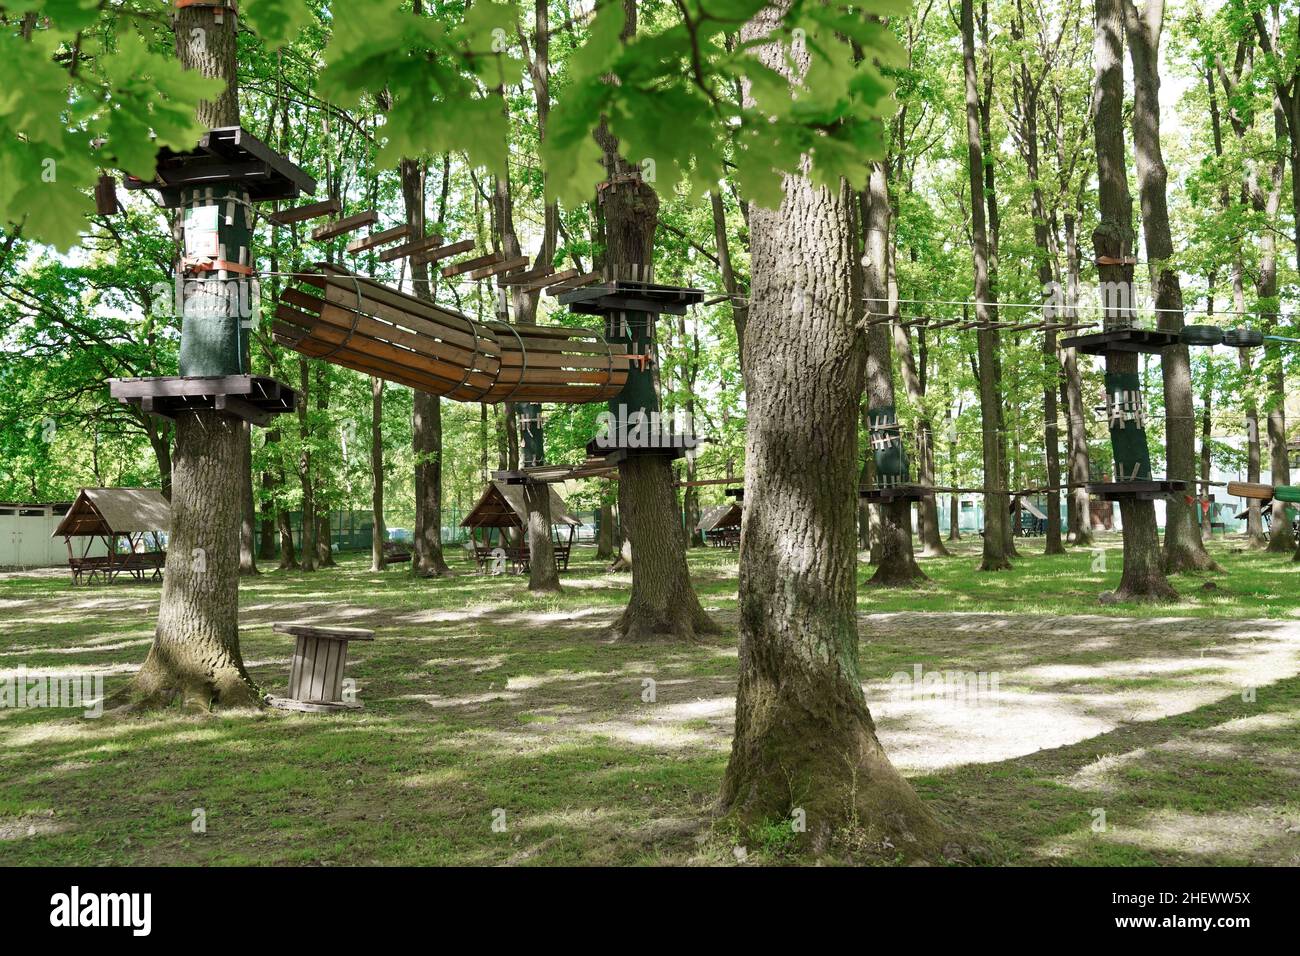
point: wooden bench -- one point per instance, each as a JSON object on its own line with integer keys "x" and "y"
{"x": 138, "y": 564}
{"x": 395, "y": 553}
{"x": 316, "y": 675}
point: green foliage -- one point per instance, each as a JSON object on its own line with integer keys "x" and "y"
{"x": 277, "y": 21}
{"x": 444, "y": 75}
{"x": 672, "y": 98}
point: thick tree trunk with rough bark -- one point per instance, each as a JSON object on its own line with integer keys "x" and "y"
{"x": 543, "y": 577}
{"x": 996, "y": 501}
{"x": 1143, "y": 578}
{"x": 1184, "y": 549}
{"x": 804, "y": 739}
{"x": 195, "y": 657}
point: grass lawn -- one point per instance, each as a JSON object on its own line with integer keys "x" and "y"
{"x": 1111, "y": 735}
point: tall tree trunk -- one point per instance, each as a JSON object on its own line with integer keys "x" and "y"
{"x": 284, "y": 527}
{"x": 663, "y": 604}
{"x": 605, "y": 534}
{"x": 427, "y": 560}
{"x": 247, "y": 503}
{"x": 1079, "y": 465}
{"x": 1184, "y": 549}
{"x": 1287, "y": 96}
{"x": 927, "y": 509}
{"x": 804, "y": 739}
{"x": 377, "y": 530}
{"x": 1143, "y": 578}
{"x": 897, "y": 566}
{"x": 996, "y": 502}
{"x": 1028, "y": 93}
{"x": 195, "y": 656}
{"x": 307, "y": 537}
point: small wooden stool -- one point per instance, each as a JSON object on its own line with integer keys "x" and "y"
{"x": 316, "y": 677}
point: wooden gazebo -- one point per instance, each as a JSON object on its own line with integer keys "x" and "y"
{"x": 124, "y": 519}
{"x": 720, "y": 525}
{"x": 501, "y": 506}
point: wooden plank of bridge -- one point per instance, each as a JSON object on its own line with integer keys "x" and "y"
{"x": 575, "y": 283}
{"x": 469, "y": 265}
{"x": 411, "y": 248}
{"x": 543, "y": 282}
{"x": 499, "y": 267}
{"x": 313, "y": 210}
{"x": 379, "y": 238}
{"x": 350, "y": 224}
{"x": 455, "y": 249}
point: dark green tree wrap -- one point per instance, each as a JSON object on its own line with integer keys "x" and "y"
{"x": 1126, "y": 416}
{"x": 635, "y": 332}
{"x": 887, "y": 446}
{"x": 216, "y": 304}
{"x": 530, "y": 429}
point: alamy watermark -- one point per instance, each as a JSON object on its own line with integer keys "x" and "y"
{"x": 637, "y": 428}
{"x": 84, "y": 692}
{"x": 973, "y": 688}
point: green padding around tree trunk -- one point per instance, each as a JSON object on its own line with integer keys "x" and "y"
{"x": 634, "y": 331}
{"x": 216, "y": 313}
{"x": 530, "y": 428}
{"x": 1289, "y": 493}
{"x": 887, "y": 444}
{"x": 1127, "y": 420}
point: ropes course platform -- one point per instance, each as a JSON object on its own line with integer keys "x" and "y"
{"x": 624, "y": 295}
{"x": 253, "y": 398}
{"x": 554, "y": 474}
{"x": 1122, "y": 340}
{"x": 228, "y": 157}
{"x": 1136, "y": 490}
{"x": 895, "y": 493}
{"x": 361, "y": 324}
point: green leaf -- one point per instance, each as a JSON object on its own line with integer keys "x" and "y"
{"x": 66, "y": 15}
{"x": 151, "y": 94}
{"x": 277, "y": 21}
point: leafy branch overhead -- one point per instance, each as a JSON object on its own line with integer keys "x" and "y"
{"x": 673, "y": 97}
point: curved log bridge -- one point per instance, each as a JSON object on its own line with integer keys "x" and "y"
{"x": 361, "y": 324}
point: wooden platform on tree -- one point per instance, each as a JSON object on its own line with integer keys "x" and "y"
{"x": 627, "y": 296}
{"x": 890, "y": 493}
{"x": 226, "y": 156}
{"x": 553, "y": 474}
{"x": 253, "y": 398}
{"x": 1136, "y": 490}
{"x": 359, "y": 323}
{"x": 1122, "y": 340}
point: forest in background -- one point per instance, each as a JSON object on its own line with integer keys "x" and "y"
{"x": 70, "y": 321}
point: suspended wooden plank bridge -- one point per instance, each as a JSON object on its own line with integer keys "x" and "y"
{"x": 359, "y": 323}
